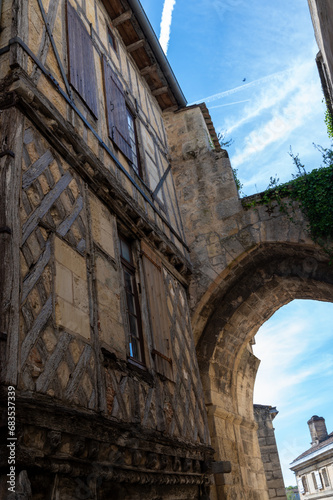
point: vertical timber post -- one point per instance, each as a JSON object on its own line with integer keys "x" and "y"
{"x": 11, "y": 130}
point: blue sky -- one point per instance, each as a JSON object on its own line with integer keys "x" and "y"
{"x": 296, "y": 373}
{"x": 212, "y": 46}
{"x": 215, "y": 44}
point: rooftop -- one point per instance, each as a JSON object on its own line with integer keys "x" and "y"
{"x": 316, "y": 448}
{"x": 129, "y": 18}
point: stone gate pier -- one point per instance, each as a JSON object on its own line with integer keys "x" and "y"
{"x": 248, "y": 262}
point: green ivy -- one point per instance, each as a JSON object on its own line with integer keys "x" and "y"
{"x": 314, "y": 193}
{"x": 329, "y": 123}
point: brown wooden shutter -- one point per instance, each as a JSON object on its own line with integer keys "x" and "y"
{"x": 158, "y": 312}
{"x": 82, "y": 75}
{"x": 116, "y": 111}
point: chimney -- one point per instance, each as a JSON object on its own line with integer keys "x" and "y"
{"x": 318, "y": 429}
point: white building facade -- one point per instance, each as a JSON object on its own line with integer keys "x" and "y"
{"x": 314, "y": 467}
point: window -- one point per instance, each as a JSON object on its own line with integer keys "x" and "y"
{"x": 158, "y": 312}
{"x": 135, "y": 341}
{"x": 133, "y": 142}
{"x": 325, "y": 478}
{"x": 82, "y": 74}
{"x": 302, "y": 485}
{"x": 112, "y": 40}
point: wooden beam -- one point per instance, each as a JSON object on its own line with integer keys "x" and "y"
{"x": 122, "y": 18}
{"x": 136, "y": 45}
{"x": 160, "y": 91}
{"x": 148, "y": 70}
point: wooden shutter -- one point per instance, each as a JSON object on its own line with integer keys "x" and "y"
{"x": 158, "y": 312}
{"x": 300, "y": 485}
{"x": 116, "y": 111}
{"x": 82, "y": 75}
{"x": 318, "y": 479}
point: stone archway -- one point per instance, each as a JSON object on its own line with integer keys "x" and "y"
{"x": 272, "y": 276}
{"x": 247, "y": 263}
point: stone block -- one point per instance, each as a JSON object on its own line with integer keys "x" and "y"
{"x": 276, "y": 483}
{"x": 69, "y": 258}
{"x": 80, "y": 291}
{"x": 102, "y": 225}
{"x": 71, "y": 318}
{"x": 281, "y": 493}
{"x": 112, "y": 332}
{"x": 64, "y": 283}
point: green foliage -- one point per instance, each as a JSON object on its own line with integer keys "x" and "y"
{"x": 290, "y": 492}
{"x": 314, "y": 193}
{"x": 329, "y": 123}
{"x": 226, "y": 143}
{"x": 239, "y": 185}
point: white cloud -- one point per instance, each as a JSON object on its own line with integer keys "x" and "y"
{"x": 228, "y": 104}
{"x": 292, "y": 104}
{"x": 166, "y": 24}
{"x": 289, "y": 359}
{"x": 279, "y": 76}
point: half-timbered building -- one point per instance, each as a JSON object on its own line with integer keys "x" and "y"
{"x": 95, "y": 329}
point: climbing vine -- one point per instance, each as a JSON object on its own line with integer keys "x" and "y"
{"x": 239, "y": 185}
{"x": 329, "y": 122}
{"x": 314, "y": 193}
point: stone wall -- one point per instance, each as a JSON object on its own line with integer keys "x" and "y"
{"x": 249, "y": 259}
{"x": 264, "y": 416}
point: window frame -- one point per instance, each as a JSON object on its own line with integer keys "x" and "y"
{"x": 304, "y": 483}
{"x": 134, "y": 142}
{"x": 111, "y": 36}
{"x": 325, "y": 477}
{"x": 129, "y": 267}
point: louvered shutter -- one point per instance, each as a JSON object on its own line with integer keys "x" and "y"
{"x": 318, "y": 479}
{"x": 158, "y": 312}
{"x": 300, "y": 486}
{"x": 116, "y": 111}
{"x": 82, "y": 75}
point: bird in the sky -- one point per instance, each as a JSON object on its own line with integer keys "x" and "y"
{"x": 244, "y": 79}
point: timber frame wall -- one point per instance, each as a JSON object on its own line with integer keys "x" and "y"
{"x": 91, "y": 420}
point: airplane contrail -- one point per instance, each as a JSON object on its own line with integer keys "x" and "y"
{"x": 226, "y": 93}
{"x": 229, "y": 104}
{"x": 166, "y": 24}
